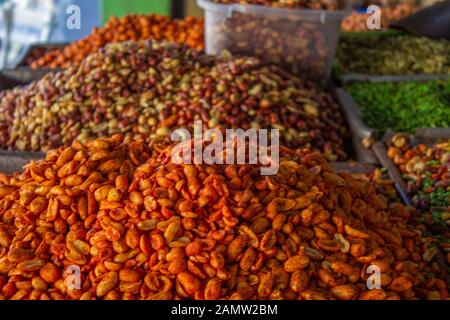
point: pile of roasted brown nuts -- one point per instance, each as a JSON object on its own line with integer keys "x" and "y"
{"x": 150, "y": 88}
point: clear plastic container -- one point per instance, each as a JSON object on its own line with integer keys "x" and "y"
{"x": 302, "y": 41}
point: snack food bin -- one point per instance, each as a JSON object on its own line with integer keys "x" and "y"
{"x": 303, "y": 41}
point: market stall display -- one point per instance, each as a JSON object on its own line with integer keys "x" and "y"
{"x": 289, "y": 34}
{"x": 141, "y": 227}
{"x": 393, "y": 55}
{"x": 426, "y": 170}
{"x": 90, "y": 186}
{"x": 403, "y": 106}
{"x": 420, "y": 167}
{"x": 131, "y": 27}
{"x": 150, "y": 88}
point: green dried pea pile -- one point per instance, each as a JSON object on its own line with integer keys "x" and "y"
{"x": 395, "y": 55}
{"x": 403, "y": 106}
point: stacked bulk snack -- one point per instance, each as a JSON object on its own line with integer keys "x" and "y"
{"x": 151, "y": 88}
{"x": 403, "y": 106}
{"x": 426, "y": 172}
{"x": 393, "y": 55}
{"x": 131, "y": 27}
{"x": 138, "y": 226}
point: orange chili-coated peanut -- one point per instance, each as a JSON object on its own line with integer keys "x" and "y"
{"x": 137, "y": 226}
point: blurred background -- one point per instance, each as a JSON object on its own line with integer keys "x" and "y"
{"x": 26, "y": 22}
{"x": 95, "y": 13}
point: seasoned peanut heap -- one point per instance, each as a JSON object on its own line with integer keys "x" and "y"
{"x": 140, "y": 227}
{"x": 151, "y": 88}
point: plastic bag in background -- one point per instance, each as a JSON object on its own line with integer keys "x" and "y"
{"x": 26, "y": 22}
{"x": 23, "y": 22}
